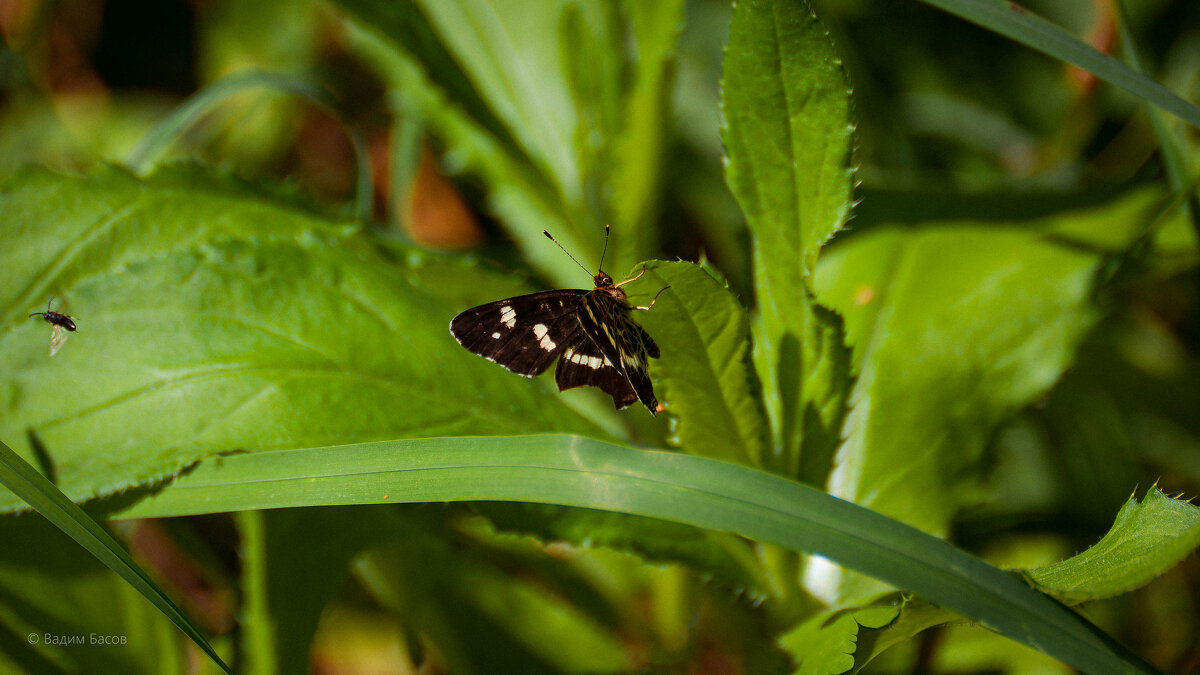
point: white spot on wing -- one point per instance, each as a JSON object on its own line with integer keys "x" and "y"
{"x": 495, "y": 336}
{"x": 547, "y": 344}
{"x": 508, "y": 316}
{"x": 540, "y": 330}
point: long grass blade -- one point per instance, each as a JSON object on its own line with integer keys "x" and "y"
{"x": 710, "y": 494}
{"x": 17, "y": 475}
{"x": 1017, "y": 23}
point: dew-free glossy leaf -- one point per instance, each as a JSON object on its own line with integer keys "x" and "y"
{"x": 220, "y": 320}
{"x": 715, "y": 495}
{"x": 954, "y": 326}
{"x": 787, "y": 129}
{"x": 704, "y": 377}
{"x": 1147, "y": 539}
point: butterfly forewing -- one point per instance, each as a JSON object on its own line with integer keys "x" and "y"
{"x": 524, "y": 334}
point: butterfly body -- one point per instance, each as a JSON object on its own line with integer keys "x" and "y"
{"x": 590, "y": 332}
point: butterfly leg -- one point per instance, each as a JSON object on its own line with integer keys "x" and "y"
{"x": 654, "y": 300}
{"x": 639, "y": 276}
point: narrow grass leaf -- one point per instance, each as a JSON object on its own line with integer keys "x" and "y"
{"x": 25, "y": 482}
{"x": 697, "y": 491}
{"x": 1017, "y": 23}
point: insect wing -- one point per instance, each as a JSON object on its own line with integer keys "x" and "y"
{"x": 584, "y": 365}
{"x": 607, "y": 322}
{"x": 524, "y": 334}
{"x": 57, "y": 337}
{"x": 648, "y": 344}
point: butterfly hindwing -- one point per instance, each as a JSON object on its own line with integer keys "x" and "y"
{"x": 607, "y": 322}
{"x": 584, "y": 365}
{"x": 524, "y": 334}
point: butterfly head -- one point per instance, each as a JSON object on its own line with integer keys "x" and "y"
{"x": 603, "y": 280}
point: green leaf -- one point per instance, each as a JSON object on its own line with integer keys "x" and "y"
{"x": 828, "y": 643}
{"x": 279, "y": 329}
{"x": 31, "y": 487}
{"x": 704, "y": 376}
{"x": 1014, "y": 21}
{"x": 787, "y": 130}
{"x": 697, "y": 491}
{"x": 936, "y": 370}
{"x": 1147, "y": 539}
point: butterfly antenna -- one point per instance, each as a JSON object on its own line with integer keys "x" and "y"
{"x": 603, "y": 253}
{"x": 564, "y": 250}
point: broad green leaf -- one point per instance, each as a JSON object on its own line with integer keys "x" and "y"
{"x": 233, "y": 322}
{"x": 787, "y": 129}
{"x": 704, "y": 377}
{"x": 1147, "y": 539}
{"x": 828, "y": 643}
{"x": 32, "y": 488}
{"x": 1014, "y": 21}
{"x": 937, "y": 371}
{"x": 706, "y": 493}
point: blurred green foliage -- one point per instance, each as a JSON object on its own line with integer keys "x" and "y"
{"x": 940, "y": 274}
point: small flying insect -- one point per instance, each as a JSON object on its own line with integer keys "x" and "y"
{"x": 60, "y": 325}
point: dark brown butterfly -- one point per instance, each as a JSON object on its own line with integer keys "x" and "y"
{"x": 593, "y": 332}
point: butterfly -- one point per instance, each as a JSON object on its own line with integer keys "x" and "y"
{"x": 59, "y": 324}
{"x": 591, "y": 332}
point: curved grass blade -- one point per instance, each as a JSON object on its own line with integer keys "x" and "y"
{"x": 158, "y": 140}
{"x": 581, "y": 472}
{"x": 1017, "y": 23}
{"x": 18, "y": 476}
